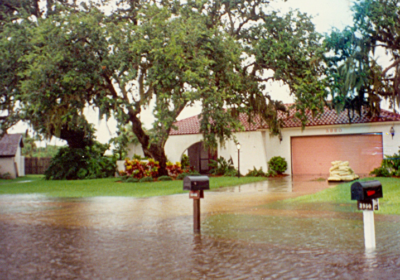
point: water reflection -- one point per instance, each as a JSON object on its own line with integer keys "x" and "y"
{"x": 298, "y": 184}
{"x": 246, "y": 234}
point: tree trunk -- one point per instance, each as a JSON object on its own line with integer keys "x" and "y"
{"x": 154, "y": 150}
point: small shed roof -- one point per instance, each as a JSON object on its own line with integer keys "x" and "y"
{"x": 329, "y": 117}
{"x": 9, "y": 144}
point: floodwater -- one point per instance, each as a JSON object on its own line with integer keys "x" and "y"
{"x": 246, "y": 233}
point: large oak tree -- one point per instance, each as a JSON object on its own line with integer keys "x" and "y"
{"x": 221, "y": 53}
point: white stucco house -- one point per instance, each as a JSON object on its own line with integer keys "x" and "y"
{"x": 363, "y": 143}
{"x": 11, "y": 160}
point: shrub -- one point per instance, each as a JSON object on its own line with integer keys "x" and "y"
{"x": 271, "y": 173}
{"x": 164, "y": 178}
{"x": 396, "y": 173}
{"x": 6, "y": 176}
{"x": 231, "y": 173}
{"x": 390, "y": 166}
{"x": 380, "y": 172}
{"x": 185, "y": 160}
{"x": 146, "y": 179}
{"x": 183, "y": 175}
{"x": 132, "y": 180}
{"x": 256, "y": 173}
{"x": 138, "y": 157}
{"x": 140, "y": 169}
{"x": 277, "y": 164}
{"x": 221, "y": 166}
{"x": 87, "y": 163}
{"x": 392, "y": 162}
{"x": 174, "y": 169}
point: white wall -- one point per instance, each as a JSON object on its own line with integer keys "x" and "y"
{"x": 20, "y": 161}
{"x": 7, "y": 165}
{"x": 177, "y": 144}
{"x": 21, "y": 165}
{"x": 134, "y": 150}
{"x": 252, "y": 152}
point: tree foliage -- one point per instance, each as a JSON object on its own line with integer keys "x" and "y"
{"x": 17, "y": 17}
{"x": 379, "y": 23}
{"x": 124, "y": 137}
{"x": 356, "y": 77}
{"x": 81, "y": 163}
{"x": 221, "y": 53}
{"x": 30, "y": 146}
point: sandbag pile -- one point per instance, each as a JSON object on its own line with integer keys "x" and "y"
{"x": 341, "y": 171}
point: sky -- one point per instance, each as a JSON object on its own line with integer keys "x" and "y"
{"x": 327, "y": 14}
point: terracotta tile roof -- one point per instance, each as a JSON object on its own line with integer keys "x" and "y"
{"x": 9, "y": 144}
{"x": 329, "y": 117}
{"x": 255, "y": 123}
{"x": 187, "y": 126}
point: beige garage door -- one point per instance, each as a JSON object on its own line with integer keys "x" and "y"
{"x": 313, "y": 155}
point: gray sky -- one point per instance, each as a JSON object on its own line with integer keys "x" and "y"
{"x": 326, "y": 15}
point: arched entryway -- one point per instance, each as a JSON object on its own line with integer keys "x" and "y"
{"x": 200, "y": 158}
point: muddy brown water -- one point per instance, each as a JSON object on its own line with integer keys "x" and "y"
{"x": 247, "y": 233}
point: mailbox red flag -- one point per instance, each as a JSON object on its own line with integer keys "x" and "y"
{"x": 369, "y": 193}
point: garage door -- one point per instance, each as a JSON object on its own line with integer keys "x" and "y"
{"x": 313, "y": 155}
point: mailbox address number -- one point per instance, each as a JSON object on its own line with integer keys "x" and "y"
{"x": 196, "y": 194}
{"x": 368, "y": 204}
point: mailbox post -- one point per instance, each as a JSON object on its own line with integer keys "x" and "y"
{"x": 196, "y": 186}
{"x": 367, "y": 195}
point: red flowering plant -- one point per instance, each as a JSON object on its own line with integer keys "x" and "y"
{"x": 174, "y": 169}
{"x": 139, "y": 169}
{"x": 153, "y": 167}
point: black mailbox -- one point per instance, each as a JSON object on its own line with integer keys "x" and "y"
{"x": 367, "y": 190}
{"x": 196, "y": 183}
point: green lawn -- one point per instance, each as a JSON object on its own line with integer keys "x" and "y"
{"x": 107, "y": 187}
{"x": 340, "y": 195}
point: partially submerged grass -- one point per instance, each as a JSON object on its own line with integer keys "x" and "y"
{"x": 389, "y": 204}
{"x": 107, "y": 187}
{"x": 320, "y": 179}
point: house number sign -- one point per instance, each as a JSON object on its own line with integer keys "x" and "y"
{"x": 333, "y": 130}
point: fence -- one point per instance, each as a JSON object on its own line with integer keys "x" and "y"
{"x": 36, "y": 165}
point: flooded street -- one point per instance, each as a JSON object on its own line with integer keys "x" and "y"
{"x": 247, "y": 233}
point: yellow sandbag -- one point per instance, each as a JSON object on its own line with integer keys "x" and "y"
{"x": 334, "y": 178}
{"x": 334, "y": 168}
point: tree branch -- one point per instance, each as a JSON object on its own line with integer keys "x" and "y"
{"x": 394, "y": 64}
{"x": 263, "y": 79}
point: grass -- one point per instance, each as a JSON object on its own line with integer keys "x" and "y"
{"x": 106, "y": 187}
{"x": 389, "y": 204}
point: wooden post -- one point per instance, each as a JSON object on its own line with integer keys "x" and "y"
{"x": 196, "y": 196}
{"x": 196, "y": 215}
